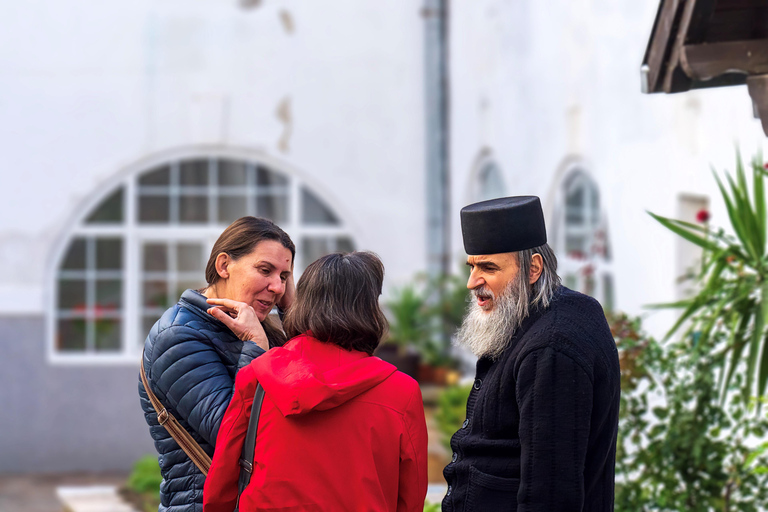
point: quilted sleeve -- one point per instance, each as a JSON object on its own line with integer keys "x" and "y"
{"x": 191, "y": 378}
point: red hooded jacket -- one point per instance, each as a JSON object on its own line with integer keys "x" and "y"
{"x": 338, "y": 431}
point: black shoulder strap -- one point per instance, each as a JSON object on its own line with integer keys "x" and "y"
{"x": 246, "y": 458}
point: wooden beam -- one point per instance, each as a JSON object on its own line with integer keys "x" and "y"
{"x": 664, "y": 31}
{"x": 706, "y": 61}
{"x": 675, "y": 80}
{"x": 758, "y": 91}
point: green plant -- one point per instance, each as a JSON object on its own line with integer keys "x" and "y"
{"x": 681, "y": 448}
{"x": 451, "y": 411}
{"x": 729, "y": 312}
{"x": 431, "y": 507}
{"x": 425, "y": 314}
{"x": 143, "y": 485}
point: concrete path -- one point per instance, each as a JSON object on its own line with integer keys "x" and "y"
{"x": 93, "y": 498}
{"x": 38, "y": 493}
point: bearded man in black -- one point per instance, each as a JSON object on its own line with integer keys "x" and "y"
{"x": 542, "y": 416}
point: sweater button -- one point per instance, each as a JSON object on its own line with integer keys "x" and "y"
{"x": 465, "y": 424}
{"x": 478, "y": 383}
{"x": 455, "y": 457}
{"x": 450, "y": 490}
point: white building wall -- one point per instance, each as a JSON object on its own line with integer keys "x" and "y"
{"x": 88, "y": 88}
{"x": 542, "y": 85}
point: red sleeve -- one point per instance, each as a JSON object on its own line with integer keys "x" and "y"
{"x": 413, "y": 457}
{"x": 220, "y": 491}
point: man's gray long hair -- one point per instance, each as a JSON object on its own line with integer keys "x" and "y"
{"x": 543, "y": 290}
{"x": 489, "y": 333}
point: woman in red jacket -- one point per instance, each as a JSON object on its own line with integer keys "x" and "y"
{"x": 339, "y": 430}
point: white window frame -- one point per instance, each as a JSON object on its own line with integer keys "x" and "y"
{"x": 134, "y": 234}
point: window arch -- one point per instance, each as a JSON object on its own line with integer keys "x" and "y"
{"x": 134, "y": 252}
{"x": 581, "y": 238}
{"x": 490, "y": 182}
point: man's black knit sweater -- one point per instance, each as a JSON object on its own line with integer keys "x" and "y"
{"x": 542, "y": 419}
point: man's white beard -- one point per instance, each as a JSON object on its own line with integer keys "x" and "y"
{"x": 487, "y": 333}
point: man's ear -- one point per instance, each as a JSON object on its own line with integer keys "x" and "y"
{"x": 222, "y": 265}
{"x": 537, "y": 265}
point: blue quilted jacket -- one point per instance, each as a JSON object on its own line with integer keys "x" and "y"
{"x": 191, "y": 360}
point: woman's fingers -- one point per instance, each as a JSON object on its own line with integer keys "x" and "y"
{"x": 241, "y": 320}
{"x": 228, "y": 303}
{"x": 223, "y": 317}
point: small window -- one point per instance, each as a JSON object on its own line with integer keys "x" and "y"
{"x": 490, "y": 183}
{"x": 581, "y": 239}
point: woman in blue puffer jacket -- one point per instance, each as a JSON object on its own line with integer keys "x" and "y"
{"x": 192, "y": 355}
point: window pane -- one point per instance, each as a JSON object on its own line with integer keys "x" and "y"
{"x": 110, "y": 210}
{"x": 156, "y": 294}
{"x": 193, "y": 209}
{"x": 266, "y": 178}
{"x": 71, "y": 335}
{"x": 189, "y": 285}
{"x": 72, "y": 294}
{"x": 159, "y": 176}
{"x": 576, "y": 246}
{"x": 107, "y": 335}
{"x": 146, "y": 323}
{"x": 314, "y": 248}
{"x": 154, "y": 209}
{"x": 491, "y": 183}
{"x": 75, "y": 258}
{"x": 109, "y": 294}
{"x": 274, "y": 208}
{"x": 574, "y": 206}
{"x": 232, "y": 173}
{"x": 155, "y": 257}
{"x": 344, "y": 244}
{"x": 232, "y": 208}
{"x": 314, "y": 211}
{"x": 109, "y": 254}
{"x": 189, "y": 258}
{"x": 194, "y": 172}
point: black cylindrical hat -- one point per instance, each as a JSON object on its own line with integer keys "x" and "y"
{"x": 507, "y": 224}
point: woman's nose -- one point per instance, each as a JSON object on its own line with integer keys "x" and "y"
{"x": 276, "y": 285}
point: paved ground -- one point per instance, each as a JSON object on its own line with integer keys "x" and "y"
{"x": 37, "y": 493}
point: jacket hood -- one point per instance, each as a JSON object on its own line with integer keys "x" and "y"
{"x": 307, "y": 375}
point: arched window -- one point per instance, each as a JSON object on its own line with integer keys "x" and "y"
{"x": 490, "y": 183}
{"x": 581, "y": 239}
{"x": 148, "y": 239}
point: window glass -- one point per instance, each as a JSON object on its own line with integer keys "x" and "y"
{"x": 491, "y": 183}
{"x": 314, "y": 210}
{"x": 193, "y": 173}
{"x": 110, "y": 210}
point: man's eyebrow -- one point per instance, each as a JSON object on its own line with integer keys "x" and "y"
{"x": 487, "y": 265}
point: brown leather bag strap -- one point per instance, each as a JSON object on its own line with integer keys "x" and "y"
{"x": 174, "y": 428}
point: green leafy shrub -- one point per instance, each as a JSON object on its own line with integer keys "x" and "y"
{"x": 680, "y": 447}
{"x": 143, "y": 486}
{"x": 451, "y": 411}
{"x": 729, "y": 312}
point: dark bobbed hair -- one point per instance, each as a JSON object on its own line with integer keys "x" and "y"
{"x": 337, "y": 300}
{"x": 241, "y": 237}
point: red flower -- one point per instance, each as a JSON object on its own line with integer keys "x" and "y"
{"x": 702, "y": 216}
{"x": 765, "y": 166}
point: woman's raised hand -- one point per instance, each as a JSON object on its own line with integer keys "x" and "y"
{"x": 241, "y": 319}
